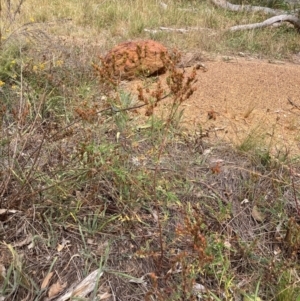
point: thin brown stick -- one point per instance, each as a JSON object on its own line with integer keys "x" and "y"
{"x": 293, "y": 104}
{"x": 212, "y": 189}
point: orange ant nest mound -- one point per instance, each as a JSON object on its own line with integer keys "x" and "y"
{"x": 130, "y": 60}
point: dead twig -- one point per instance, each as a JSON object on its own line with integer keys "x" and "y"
{"x": 293, "y": 104}
{"x": 212, "y": 189}
{"x": 179, "y": 30}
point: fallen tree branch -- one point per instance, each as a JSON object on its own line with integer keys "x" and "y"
{"x": 280, "y": 15}
{"x": 180, "y": 30}
{"x": 248, "y": 8}
{"x": 282, "y": 18}
{"x": 273, "y": 20}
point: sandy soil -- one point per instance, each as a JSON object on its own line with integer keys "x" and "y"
{"x": 247, "y": 97}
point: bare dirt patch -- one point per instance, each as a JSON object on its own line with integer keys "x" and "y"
{"x": 238, "y": 98}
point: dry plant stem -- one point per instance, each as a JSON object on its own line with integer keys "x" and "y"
{"x": 212, "y": 189}
{"x": 181, "y": 90}
{"x": 294, "y": 190}
{"x": 156, "y": 202}
{"x": 157, "y": 207}
{"x": 0, "y": 25}
{"x": 261, "y": 175}
{"x": 112, "y": 291}
{"x": 18, "y": 9}
{"x": 28, "y": 175}
{"x": 11, "y": 15}
{"x": 162, "y": 147}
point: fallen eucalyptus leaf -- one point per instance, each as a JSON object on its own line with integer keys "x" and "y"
{"x": 56, "y": 288}
{"x": 104, "y": 296}
{"x": 46, "y": 280}
{"x": 257, "y": 215}
{"x": 23, "y": 242}
{"x": 140, "y": 280}
{"x": 2, "y": 272}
